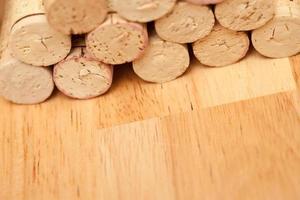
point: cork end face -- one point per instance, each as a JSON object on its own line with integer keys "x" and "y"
{"x": 186, "y": 23}
{"x": 143, "y": 10}
{"x": 117, "y": 43}
{"x": 222, "y": 47}
{"x": 34, "y": 42}
{"x": 83, "y": 78}
{"x": 78, "y": 17}
{"x": 25, "y": 84}
{"x": 204, "y": 2}
{"x": 244, "y": 15}
{"x": 279, "y": 38}
{"x": 162, "y": 62}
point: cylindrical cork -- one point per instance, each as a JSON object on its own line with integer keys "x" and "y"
{"x": 281, "y": 36}
{"x": 81, "y": 76}
{"x": 117, "y": 41}
{"x": 19, "y": 9}
{"x": 32, "y": 40}
{"x": 21, "y": 83}
{"x": 244, "y": 15}
{"x": 222, "y": 47}
{"x": 163, "y": 61}
{"x": 186, "y": 23}
{"x": 76, "y": 16}
{"x": 204, "y": 2}
{"x": 143, "y": 10}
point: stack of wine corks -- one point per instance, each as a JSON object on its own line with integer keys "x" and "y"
{"x": 75, "y": 44}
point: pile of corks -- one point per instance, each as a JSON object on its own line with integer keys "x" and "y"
{"x": 75, "y": 44}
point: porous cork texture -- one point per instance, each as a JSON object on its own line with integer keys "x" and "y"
{"x": 117, "y": 41}
{"x": 204, "y": 2}
{"x": 21, "y": 83}
{"x": 76, "y": 16}
{"x": 162, "y": 62}
{"x": 244, "y": 15}
{"x": 222, "y": 47}
{"x": 34, "y": 42}
{"x": 281, "y": 36}
{"x": 24, "y": 8}
{"x": 186, "y": 23}
{"x": 82, "y": 77}
{"x": 143, "y": 10}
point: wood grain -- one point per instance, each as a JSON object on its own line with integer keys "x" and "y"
{"x": 1, "y": 11}
{"x": 244, "y": 150}
{"x": 67, "y": 149}
{"x": 226, "y": 133}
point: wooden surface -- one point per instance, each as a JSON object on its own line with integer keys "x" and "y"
{"x": 1, "y": 10}
{"x": 227, "y": 133}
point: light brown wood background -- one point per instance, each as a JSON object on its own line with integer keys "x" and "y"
{"x": 228, "y": 133}
{"x": 144, "y": 141}
{"x": 1, "y": 10}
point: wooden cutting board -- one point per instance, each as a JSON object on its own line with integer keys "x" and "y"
{"x": 226, "y": 133}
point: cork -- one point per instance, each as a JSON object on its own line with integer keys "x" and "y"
{"x": 281, "y": 36}
{"x": 21, "y": 83}
{"x": 19, "y": 9}
{"x": 244, "y": 15}
{"x": 222, "y": 47}
{"x": 76, "y": 16}
{"x": 204, "y": 2}
{"x": 32, "y": 40}
{"x": 186, "y": 23}
{"x": 143, "y": 10}
{"x": 117, "y": 41}
{"x": 163, "y": 61}
{"x": 80, "y": 76}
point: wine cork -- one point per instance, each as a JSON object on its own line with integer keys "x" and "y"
{"x": 19, "y": 9}
{"x": 32, "y": 40}
{"x": 204, "y": 2}
{"x": 162, "y": 62}
{"x": 117, "y": 41}
{"x": 81, "y": 76}
{"x": 143, "y": 10}
{"x": 186, "y": 23}
{"x": 75, "y": 16}
{"x": 244, "y": 15}
{"x": 281, "y": 36}
{"x": 222, "y": 47}
{"x": 21, "y": 83}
